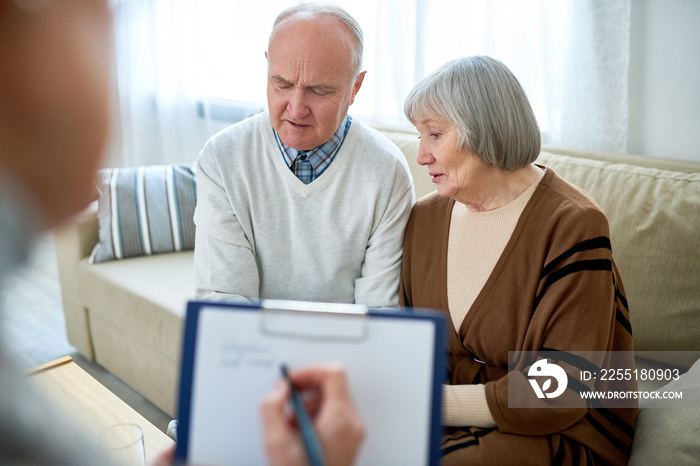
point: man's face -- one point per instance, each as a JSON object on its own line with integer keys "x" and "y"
{"x": 311, "y": 81}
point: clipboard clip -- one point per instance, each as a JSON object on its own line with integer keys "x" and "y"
{"x": 314, "y": 321}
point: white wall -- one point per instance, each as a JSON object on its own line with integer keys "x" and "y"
{"x": 664, "y": 79}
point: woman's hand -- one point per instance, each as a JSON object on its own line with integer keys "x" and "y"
{"x": 335, "y": 419}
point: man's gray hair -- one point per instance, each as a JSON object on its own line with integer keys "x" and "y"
{"x": 482, "y": 98}
{"x": 315, "y": 10}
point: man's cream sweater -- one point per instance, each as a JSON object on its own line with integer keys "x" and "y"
{"x": 262, "y": 233}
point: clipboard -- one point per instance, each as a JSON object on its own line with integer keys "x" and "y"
{"x": 232, "y": 355}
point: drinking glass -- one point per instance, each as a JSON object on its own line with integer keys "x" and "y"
{"x": 123, "y": 444}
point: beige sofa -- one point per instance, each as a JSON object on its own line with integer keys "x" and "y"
{"x": 128, "y": 314}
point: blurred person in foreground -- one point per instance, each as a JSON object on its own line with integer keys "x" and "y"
{"x": 54, "y": 123}
{"x": 302, "y": 201}
{"x": 519, "y": 260}
{"x": 54, "y": 83}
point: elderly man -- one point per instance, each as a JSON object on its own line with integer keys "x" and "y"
{"x": 302, "y": 202}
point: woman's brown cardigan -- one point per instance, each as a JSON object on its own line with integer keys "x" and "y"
{"x": 554, "y": 288}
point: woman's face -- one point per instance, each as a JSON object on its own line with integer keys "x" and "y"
{"x": 454, "y": 171}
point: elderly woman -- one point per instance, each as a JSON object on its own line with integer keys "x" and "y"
{"x": 520, "y": 260}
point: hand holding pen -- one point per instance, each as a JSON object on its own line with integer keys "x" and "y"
{"x": 334, "y": 420}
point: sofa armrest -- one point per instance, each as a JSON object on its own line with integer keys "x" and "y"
{"x": 74, "y": 241}
{"x": 78, "y": 237}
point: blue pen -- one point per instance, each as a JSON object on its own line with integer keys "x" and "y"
{"x": 313, "y": 448}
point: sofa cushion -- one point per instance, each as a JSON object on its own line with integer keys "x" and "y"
{"x": 144, "y": 211}
{"x": 654, "y": 217}
{"x": 670, "y": 435}
{"x": 165, "y": 281}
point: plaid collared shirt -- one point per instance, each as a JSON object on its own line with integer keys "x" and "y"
{"x": 309, "y": 165}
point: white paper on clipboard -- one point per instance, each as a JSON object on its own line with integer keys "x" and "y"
{"x": 232, "y": 356}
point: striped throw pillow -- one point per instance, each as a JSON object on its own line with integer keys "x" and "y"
{"x": 145, "y": 210}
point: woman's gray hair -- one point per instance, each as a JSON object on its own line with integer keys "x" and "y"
{"x": 315, "y": 10}
{"x": 485, "y": 102}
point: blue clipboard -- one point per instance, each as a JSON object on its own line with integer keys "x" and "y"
{"x": 232, "y": 355}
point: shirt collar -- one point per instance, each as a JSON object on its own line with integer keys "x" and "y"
{"x": 319, "y": 157}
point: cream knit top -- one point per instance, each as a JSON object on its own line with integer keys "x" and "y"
{"x": 476, "y": 242}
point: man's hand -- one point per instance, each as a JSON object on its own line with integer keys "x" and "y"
{"x": 336, "y": 421}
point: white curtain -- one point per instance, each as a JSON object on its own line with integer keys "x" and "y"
{"x": 187, "y": 68}
{"x": 160, "y": 116}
